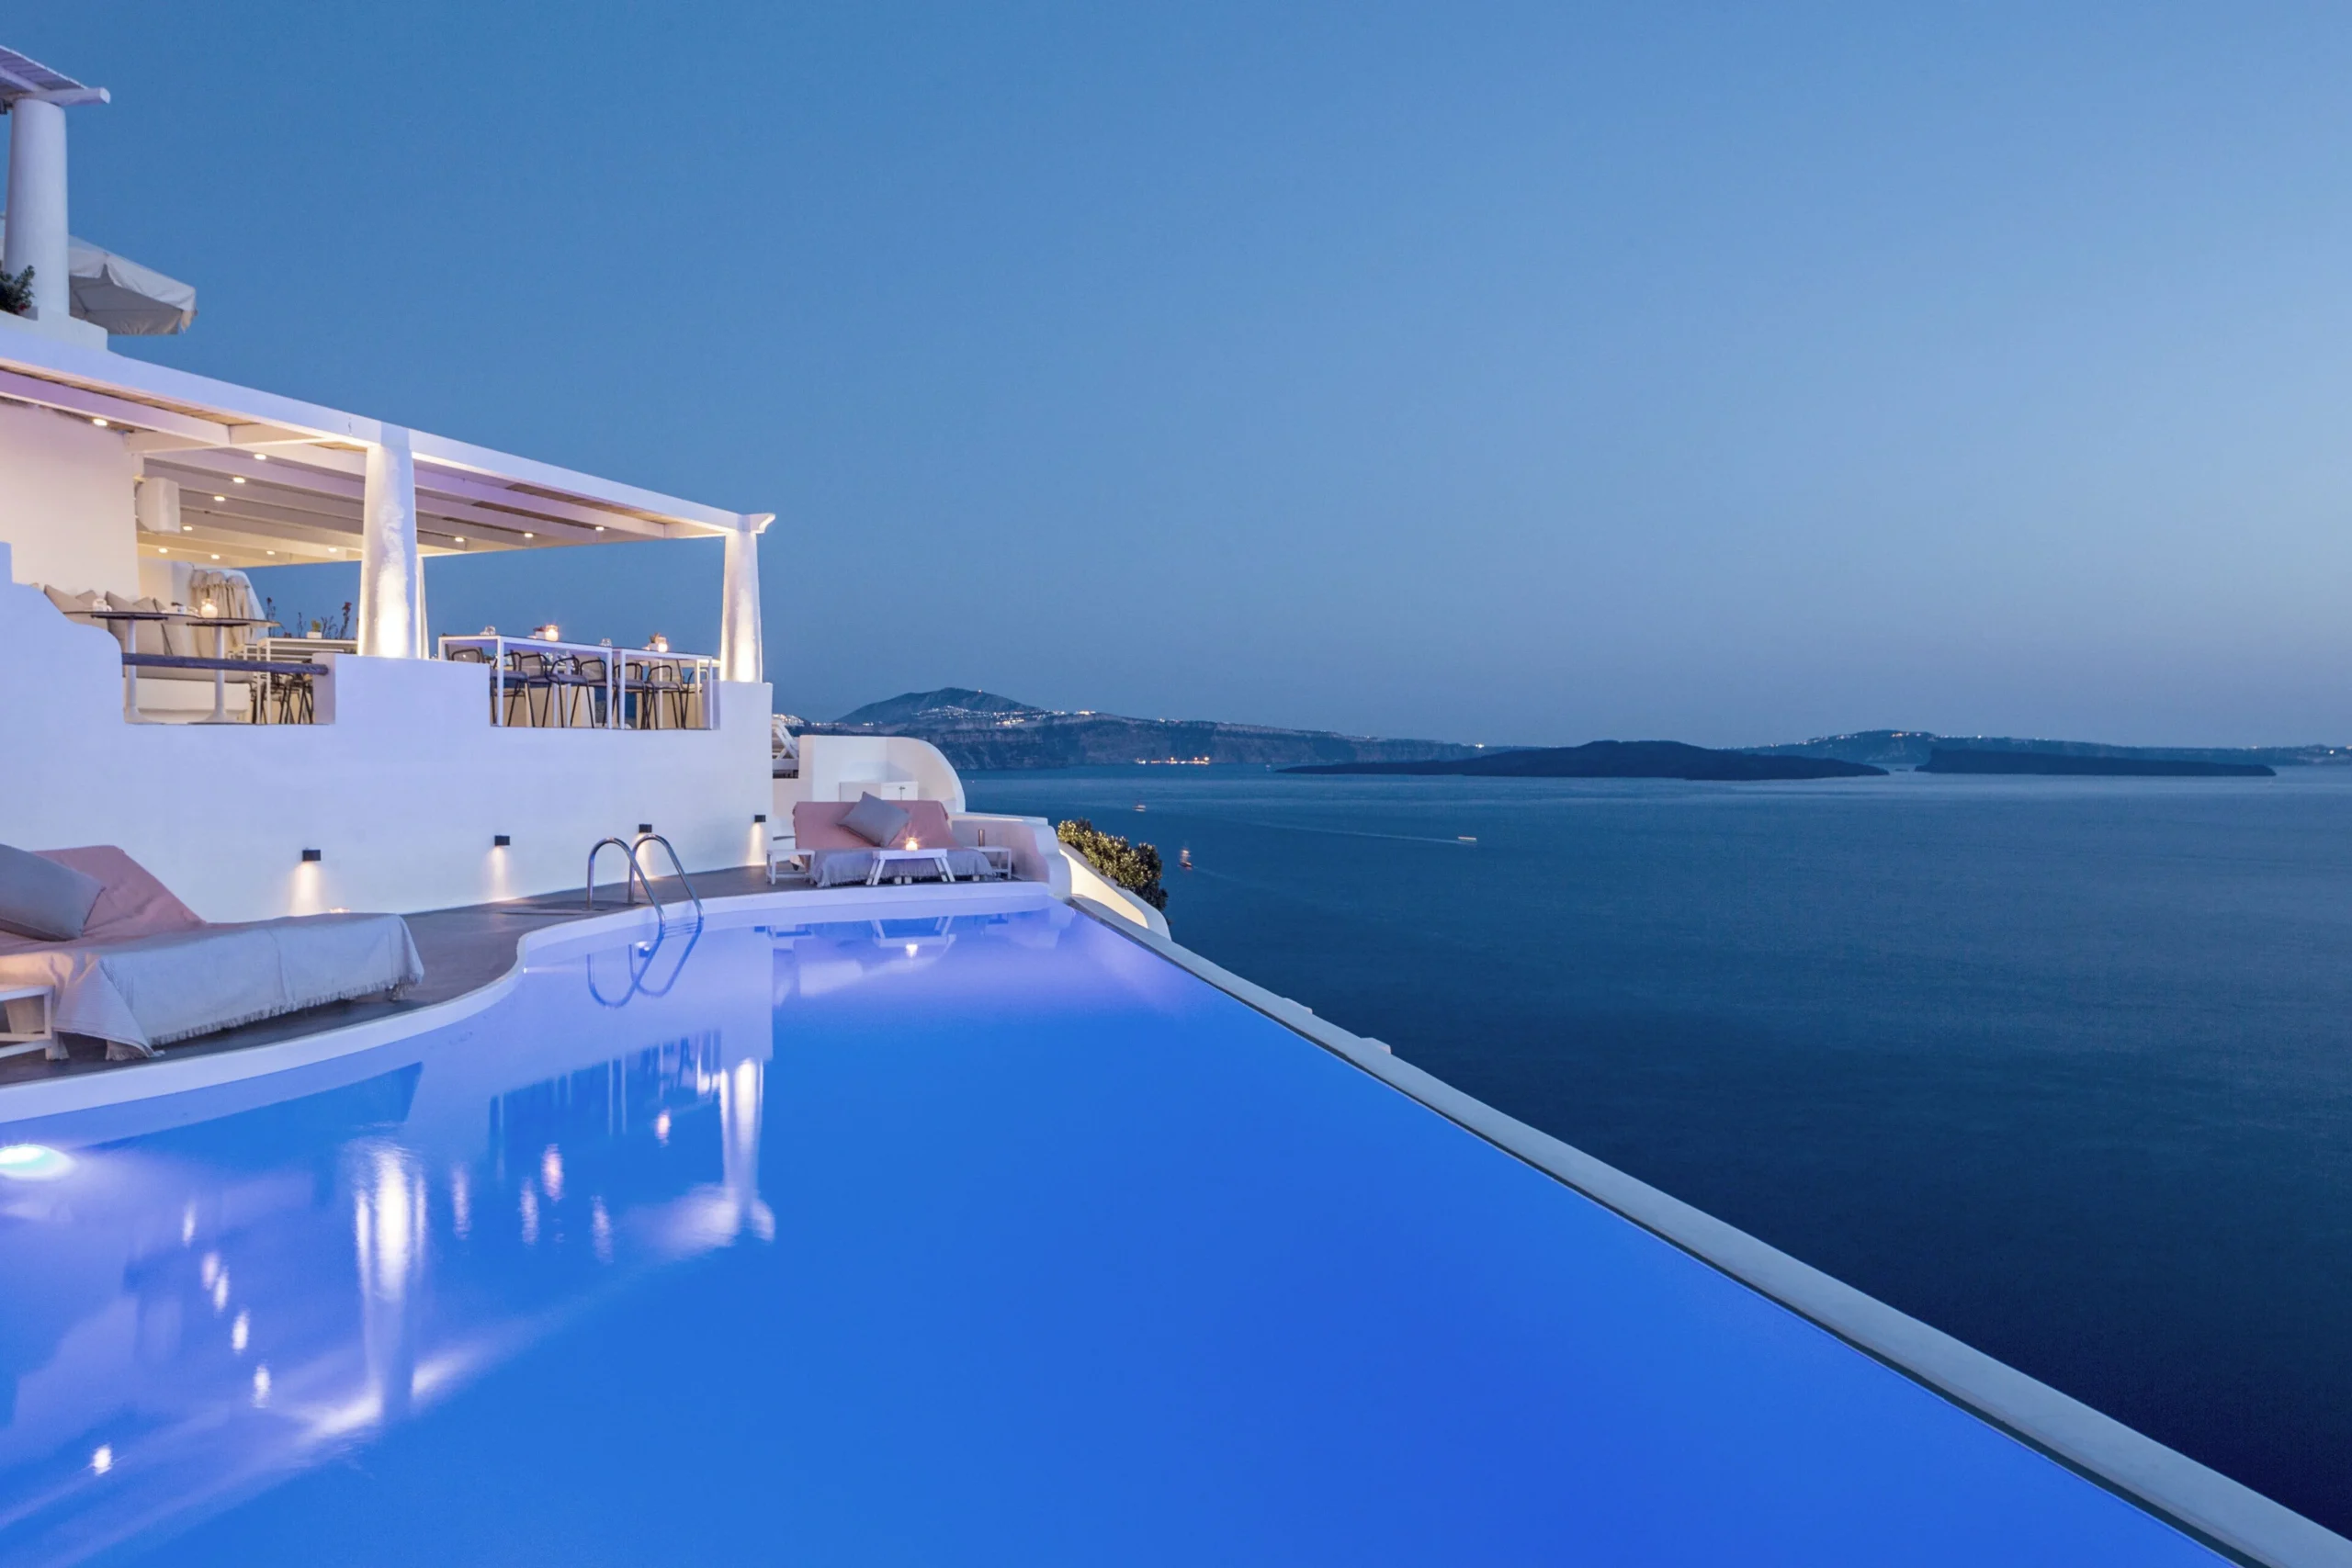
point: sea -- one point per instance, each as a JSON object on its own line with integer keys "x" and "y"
{"x": 2062, "y": 1067}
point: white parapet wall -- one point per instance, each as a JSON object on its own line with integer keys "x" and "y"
{"x": 401, "y": 794}
{"x": 896, "y": 767}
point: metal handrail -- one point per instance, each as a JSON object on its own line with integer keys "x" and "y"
{"x": 675, "y": 864}
{"x": 636, "y": 878}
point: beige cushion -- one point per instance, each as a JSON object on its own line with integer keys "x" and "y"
{"x": 77, "y": 606}
{"x": 146, "y": 637}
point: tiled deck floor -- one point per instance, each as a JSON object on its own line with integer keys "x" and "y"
{"x": 463, "y": 949}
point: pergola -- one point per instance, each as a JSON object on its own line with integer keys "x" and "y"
{"x": 247, "y": 478}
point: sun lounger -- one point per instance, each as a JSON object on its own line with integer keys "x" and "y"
{"x": 146, "y": 971}
{"x": 837, "y": 855}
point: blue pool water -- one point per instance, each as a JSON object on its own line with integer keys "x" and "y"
{"x": 2062, "y": 1067}
{"x": 990, "y": 1238}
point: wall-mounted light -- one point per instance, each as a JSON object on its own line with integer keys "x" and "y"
{"x": 96, "y": 420}
{"x": 309, "y": 855}
{"x": 759, "y": 815}
{"x": 236, "y": 479}
{"x": 183, "y": 527}
{"x": 645, "y": 827}
{"x": 500, "y": 840}
{"x": 261, "y": 457}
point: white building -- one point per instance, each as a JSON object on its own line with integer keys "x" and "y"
{"x": 410, "y": 787}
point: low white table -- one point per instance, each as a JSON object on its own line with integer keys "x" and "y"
{"x": 885, "y": 859}
{"x": 16, "y": 1041}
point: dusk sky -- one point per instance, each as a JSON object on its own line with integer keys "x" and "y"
{"x": 1535, "y": 375}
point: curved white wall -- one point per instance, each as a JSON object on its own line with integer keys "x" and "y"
{"x": 840, "y": 767}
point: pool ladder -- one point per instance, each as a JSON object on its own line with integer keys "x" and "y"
{"x": 637, "y": 877}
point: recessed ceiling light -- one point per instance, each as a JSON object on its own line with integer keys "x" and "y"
{"x": 236, "y": 479}
{"x": 220, "y": 498}
{"x": 99, "y": 422}
{"x": 530, "y": 535}
{"x": 261, "y": 457}
{"x": 600, "y": 527}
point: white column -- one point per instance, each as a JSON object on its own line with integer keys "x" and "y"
{"x": 392, "y": 578}
{"x": 36, "y": 204}
{"x": 740, "y": 658}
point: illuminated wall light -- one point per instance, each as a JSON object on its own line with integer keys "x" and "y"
{"x": 261, "y": 457}
{"x": 600, "y": 527}
{"x": 312, "y": 855}
{"x": 530, "y": 535}
{"x": 96, "y": 420}
{"x": 216, "y": 558}
{"x": 236, "y": 479}
{"x": 190, "y": 527}
{"x": 220, "y": 498}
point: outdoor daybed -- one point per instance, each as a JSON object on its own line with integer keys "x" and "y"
{"x": 843, "y": 841}
{"x": 140, "y": 970}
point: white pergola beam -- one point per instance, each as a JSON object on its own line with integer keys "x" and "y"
{"x": 89, "y": 404}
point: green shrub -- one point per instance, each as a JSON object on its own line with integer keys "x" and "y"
{"x": 1135, "y": 867}
{"x": 16, "y": 291}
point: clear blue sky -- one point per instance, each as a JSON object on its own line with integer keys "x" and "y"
{"x": 1530, "y": 374}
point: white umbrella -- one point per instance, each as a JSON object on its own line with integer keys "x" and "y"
{"x": 119, "y": 295}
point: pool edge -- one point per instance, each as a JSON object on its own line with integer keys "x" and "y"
{"x": 2226, "y": 1516}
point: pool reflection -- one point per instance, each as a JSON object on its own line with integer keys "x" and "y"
{"x": 193, "y": 1311}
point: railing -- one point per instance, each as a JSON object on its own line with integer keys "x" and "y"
{"x": 539, "y": 684}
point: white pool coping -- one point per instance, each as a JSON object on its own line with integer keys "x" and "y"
{"x": 2231, "y": 1518}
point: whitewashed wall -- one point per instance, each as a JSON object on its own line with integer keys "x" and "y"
{"x": 841, "y": 767}
{"x": 401, "y": 794}
{"x": 66, "y": 502}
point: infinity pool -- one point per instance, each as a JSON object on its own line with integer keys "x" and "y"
{"x": 974, "y": 1238}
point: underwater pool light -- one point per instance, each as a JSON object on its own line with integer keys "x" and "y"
{"x": 34, "y": 1162}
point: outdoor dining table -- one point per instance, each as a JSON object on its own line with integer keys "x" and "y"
{"x": 124, "y": 624}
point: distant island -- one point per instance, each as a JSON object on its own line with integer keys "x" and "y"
{"x": 981, "y": 731}
{"x": 1617, "y": 760}
{"x": 1973, "y": 760}
{"x": 1913, "y": 748}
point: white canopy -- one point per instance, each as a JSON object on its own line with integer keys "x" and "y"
{"x": 119, "y": 295}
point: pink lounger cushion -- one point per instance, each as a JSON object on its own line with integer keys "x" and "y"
{"x": 131, "y": 904}
{"x": 817, "y": 825}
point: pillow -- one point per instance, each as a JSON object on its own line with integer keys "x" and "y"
{"x": 876, "y": 821}
{"x": 42, "y": 899}
{"x": 76, "y": 605}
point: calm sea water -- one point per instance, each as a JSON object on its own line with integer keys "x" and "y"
{"x": 2062, "y": 1067}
